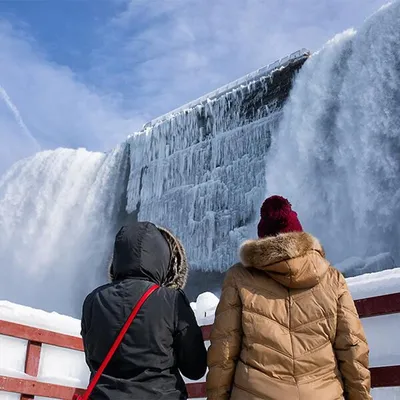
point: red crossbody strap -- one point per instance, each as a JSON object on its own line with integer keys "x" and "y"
{"x": 117, "y": 342}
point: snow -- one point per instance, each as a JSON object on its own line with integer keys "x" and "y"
{"x": 12, "y": 354}
{"x": 205, "y": 308}
{"x": 58, "y": 212}
{"x": 39, "y": 319}
{"x": 384, "y": 345}
{"x": 386, "y": 393}
{"x": 72, "y": 371}
{"x": 375, "y": 284}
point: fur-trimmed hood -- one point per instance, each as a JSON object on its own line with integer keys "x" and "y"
{"x": 295, "y": 259}
{"x": 144, "y": 251}
{"x": 178, "y": 267}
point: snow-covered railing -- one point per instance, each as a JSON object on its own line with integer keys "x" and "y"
{"x": 263, "y": 71}
{"x": 28, "y": 386}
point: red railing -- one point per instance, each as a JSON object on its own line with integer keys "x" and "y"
{"x": 28, "y": 388}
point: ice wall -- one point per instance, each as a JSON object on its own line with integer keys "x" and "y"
{"x": 201, "y": 172}
{"x": 58, "y": 215}
{"x": 336, "y": 154}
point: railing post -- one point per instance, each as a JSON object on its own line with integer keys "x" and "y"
{"x": 32, "y": 361}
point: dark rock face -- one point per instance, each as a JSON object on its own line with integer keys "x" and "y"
{"x": 201, "y": 172}
{"x": 269, "y": 93}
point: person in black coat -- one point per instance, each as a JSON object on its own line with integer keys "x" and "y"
{"x": 164, "y": 340}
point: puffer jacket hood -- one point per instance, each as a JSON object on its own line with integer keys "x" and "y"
{"x": 144, "y": 251}
{"x": 296, "y": 260}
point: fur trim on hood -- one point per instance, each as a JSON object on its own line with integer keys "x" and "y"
{"x": 178, "y": 269}
{"x": 295, "y": 259}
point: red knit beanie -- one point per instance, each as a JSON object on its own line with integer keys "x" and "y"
{"x": 277, "y": 217}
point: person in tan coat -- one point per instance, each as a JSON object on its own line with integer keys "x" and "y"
{"x": 286, "y": 327}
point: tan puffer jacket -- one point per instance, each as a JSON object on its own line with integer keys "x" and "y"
{"x": 287, "y": 328}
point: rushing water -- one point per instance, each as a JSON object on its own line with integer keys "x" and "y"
{"x": 336, "y": 153}
{"x": 58, "y": 213}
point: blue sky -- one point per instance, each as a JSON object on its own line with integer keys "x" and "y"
{"x": 86, "y": 73}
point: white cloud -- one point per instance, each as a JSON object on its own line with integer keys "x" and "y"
{"x": 47, "y": 103}
{"x": 176, "y": 50}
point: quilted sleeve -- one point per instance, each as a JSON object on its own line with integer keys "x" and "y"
{"x": 226, "y": 338}
{"x": 351, "y": 347}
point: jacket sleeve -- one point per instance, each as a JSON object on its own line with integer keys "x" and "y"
{"x": 351, "y": 347}
{"x": 189, "y": 345}
{"x": 84, "y": 330}
{"x": 226, "y": 338}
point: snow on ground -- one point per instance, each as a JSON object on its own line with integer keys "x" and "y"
{"x": 375, "y": 284}
{"x": 72, "y": 371}
{"x": 39, "y": 319}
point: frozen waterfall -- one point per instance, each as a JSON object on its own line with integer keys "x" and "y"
{"x": 336, "y": 153}
{"x": 201, "y": 172}
{"x": 58, "y": 215}
{"x": 331, "y": 144}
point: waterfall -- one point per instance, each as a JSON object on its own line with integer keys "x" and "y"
{"x": 202, "y": 170}
{"x": 58, "y": 215}
{"x": 330, "y": 143}
{"x": 336, "y": 152}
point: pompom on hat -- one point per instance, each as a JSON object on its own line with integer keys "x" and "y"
{"x": 277, "y": 217}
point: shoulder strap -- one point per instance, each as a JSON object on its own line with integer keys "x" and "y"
{"x": 117, "y": 342}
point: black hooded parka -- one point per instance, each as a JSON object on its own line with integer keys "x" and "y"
{"x": 163, "y": 340}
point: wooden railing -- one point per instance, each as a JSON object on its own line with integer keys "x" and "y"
{"x": 28, "y": 388}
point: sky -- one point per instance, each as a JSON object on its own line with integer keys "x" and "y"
{"x": 87, "y": 73}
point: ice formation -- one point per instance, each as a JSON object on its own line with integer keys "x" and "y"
{"x": 203, "y": 172}
{"x": 58, "y": 215}
{"x": 200, "y": 171}
{"x": 336, "y": 152}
